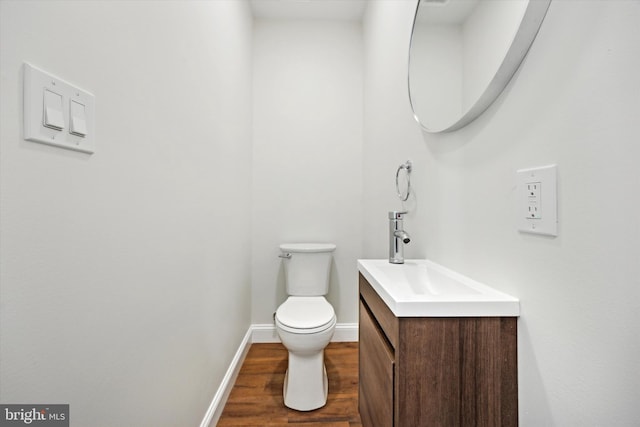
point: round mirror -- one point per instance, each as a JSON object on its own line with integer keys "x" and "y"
{"x": 463, "y": 53}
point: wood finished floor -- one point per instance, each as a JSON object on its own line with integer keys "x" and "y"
{"x": 256, "y": 398}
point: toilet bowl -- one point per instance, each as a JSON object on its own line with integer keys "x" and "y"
{"x": 305, "y": 337}
{"x": 305, "y": 323}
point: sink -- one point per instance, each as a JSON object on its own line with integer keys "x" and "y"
{"x": 422, "y": 288}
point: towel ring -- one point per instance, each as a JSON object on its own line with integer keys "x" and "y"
{"x": 407, "y": 167}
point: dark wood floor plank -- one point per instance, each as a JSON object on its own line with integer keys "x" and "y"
{"x": 256, "y": 398}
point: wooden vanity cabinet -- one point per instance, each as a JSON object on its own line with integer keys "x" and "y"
{"x": 435, "y": 371}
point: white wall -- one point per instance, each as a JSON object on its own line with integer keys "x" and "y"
{"x": 124, "y": 278}
{"x": 575, "y": 102}
{"x": 390, "y": 135}
{"x": 307, "y": 143}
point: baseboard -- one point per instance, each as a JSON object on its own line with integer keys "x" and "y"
{"x": 345, "y": 332}
{"x": 266, "y": 332}
{"x": 220, "y": 398}
{"x": 259, "y": 333}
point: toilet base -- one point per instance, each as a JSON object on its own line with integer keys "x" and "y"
{"x": 306, "y": 384}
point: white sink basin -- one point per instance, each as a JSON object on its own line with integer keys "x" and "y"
{"x": 421, "y": 288}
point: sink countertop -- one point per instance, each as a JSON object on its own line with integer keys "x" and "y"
{"x": 422, "y": 288}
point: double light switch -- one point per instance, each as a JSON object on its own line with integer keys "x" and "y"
{"x": 56, "y": 112}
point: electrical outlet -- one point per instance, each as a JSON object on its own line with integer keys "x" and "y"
{"x": 534, "y": 207}
{"x": 537, "y": 200}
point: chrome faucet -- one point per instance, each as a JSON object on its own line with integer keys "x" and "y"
{"x": 397, "y": 237}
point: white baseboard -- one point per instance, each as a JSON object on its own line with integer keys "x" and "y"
{"x": 345, "y": 332}
{"x": 266, "y": 332}
{"x": 259, "y": 333}
{"x": 220, "y": 398}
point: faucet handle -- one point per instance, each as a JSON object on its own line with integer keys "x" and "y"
{"x": 397, "y": 214}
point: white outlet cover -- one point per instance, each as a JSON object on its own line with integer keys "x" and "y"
{"x": 545, "y": 221}
{"x": 36, "y": 82}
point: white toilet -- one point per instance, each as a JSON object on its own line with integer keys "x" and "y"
{"x": 305, "y": 323}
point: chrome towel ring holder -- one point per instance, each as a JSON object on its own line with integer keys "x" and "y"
{"x": 406, "y": 166}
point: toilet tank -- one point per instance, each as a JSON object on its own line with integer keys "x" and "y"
{"x": 308, "y": 267}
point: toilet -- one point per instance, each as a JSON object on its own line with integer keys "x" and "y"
{"x": 305, "y": 323}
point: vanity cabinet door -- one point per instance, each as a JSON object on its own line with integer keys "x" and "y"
{"x": 376, "y": 374}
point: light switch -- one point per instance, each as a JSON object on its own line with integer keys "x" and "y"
{"x": 52, "y": 116}
{"x": 77, "y": 119}
{"x": 56, "y": 112}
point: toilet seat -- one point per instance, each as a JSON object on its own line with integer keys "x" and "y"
{"x": 305, "y": 315}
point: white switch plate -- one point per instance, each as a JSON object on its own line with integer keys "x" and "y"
{"x": 36, "y": 82}
{"x": 537, "y": 200}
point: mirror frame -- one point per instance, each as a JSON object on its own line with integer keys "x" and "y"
{"x": 522, "y": 41}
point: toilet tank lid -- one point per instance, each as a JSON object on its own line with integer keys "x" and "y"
{"x": 307, "y": 247}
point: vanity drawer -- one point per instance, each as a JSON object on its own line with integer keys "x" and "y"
{"x": 376, "y": 374}
{"x": 383, "y": 315}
